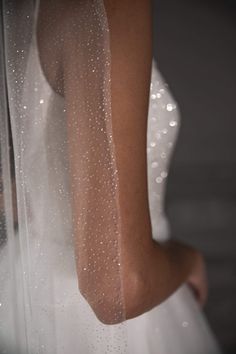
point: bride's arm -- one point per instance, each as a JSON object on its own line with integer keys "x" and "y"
{"x": 149, "y": 272}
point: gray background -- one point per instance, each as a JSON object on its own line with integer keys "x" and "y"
{"x": 195, "y": 48}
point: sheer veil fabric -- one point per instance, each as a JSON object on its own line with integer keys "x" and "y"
{"x": 60, "y": 225}
{"x": 58, "y": 91}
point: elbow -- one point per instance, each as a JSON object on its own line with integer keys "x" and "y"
{"x": 116, "y": 303}
{"x": 136, "y": 291}
{"x": 108, "y": 306}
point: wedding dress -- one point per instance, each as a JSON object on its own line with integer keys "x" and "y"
{"x": 41, "y": 307}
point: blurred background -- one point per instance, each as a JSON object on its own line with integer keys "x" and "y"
{"x": 195, "y": 48}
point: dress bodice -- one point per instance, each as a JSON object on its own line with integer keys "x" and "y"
{"x": 163, "y": 124}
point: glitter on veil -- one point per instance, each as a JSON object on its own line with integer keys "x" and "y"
{"x": 57, "y": 64}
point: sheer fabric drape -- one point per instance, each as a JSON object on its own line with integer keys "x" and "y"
{"x": 60, "y": 265}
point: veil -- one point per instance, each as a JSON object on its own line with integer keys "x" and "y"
{"x": 60, "y": 255}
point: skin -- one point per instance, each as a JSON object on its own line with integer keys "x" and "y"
{"x": 150, "y": 272}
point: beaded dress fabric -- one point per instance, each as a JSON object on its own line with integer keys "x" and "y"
{"x": 60, "y": 259}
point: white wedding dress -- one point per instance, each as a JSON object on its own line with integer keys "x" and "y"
{"x": 177, "y": 326}
{"x": 41, "y": 308}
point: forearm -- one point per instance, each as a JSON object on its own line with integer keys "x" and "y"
{"x": 156, "y": 276}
